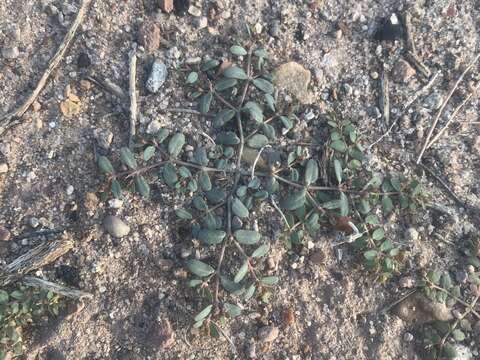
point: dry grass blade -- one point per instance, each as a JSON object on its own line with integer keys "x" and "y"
{"x": 133, "y": 95}
{"x": 442, "y": 108}
{"x": 12, "y": 118}
{"x": 55, "y": 288}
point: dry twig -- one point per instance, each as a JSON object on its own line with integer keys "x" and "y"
{"x": 55, "y": 288}
{"x": 384, "y": 97}
{"x": 14, "y": 117}
{"x": 133, "y": 95}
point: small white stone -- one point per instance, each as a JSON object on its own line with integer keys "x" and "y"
{"x": 115, "y": 203}
{"x": 70, "y": 190}
{"x": 258, "y": 28}
{"x": 3, "y": 168}
{"x": 52, "y": 124}
{"x": 153, "y": 127}
{"x": 408, "y": 337}
{"x": 194, "y": 11}
{"x": 202, "y": 22}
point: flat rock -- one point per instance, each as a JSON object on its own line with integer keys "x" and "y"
{"x": 4, "y": 234}
{"x": 294, "y": 78}
{"x": 149, "y": 36}
{"x": 268, "y": 334}
{"x": 157, "y": 77}
{"x": 402, "y": 72}
{"x": 115, "y": 226}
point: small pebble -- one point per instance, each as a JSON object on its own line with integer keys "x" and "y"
{"x": 185, "y": 253}
{"x": 70, "y": 190}
{"x": 4, "y": 234}
{"x": 33, "y": 222}
{"x": 411, "y": 234}
{"x": 374, "y": 75}
{"x": 103, "y": 137}
{"x": 157, "y": 76}
{"x": 470, "y": 269}
{"x": 3, "y": 168}
{"x": 194, "y": 11}
{"x": 202, "y": 22}
{"x": 84, "y": 61}
{"x": 267, "y": 334}
{"x": 153, "y": 127}
{"x": 407, "y": 337}
{"x": 115, "y": 203}
{"x": 10, "y": 53}
{"x": 115, "y": 226}
{"x": 274, "y": 29}
{"x": 407, "y": 282}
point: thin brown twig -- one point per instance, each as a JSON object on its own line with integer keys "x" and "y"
{"x": 454, "y": 114}
{"x": 133, "y": 95}
{"x": 14, "y": 117}
{"x": 442, "y": 108}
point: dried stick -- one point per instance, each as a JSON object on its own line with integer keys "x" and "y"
{"x": 12, "y": 118}
{"x": 442, "y": 108}
{"x": 384, "y": 96}
{"x": 37, "y": 257}
{"x": 56, "y": 288}
{"x": 454, "y": 114}
{"x": 409, "y": 33}
{"x": 109, "y": 86}
{"x": 418, "y": 64}
{"x": 133, "y": 95}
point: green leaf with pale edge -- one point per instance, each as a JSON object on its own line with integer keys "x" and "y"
{"x": 387, "y": 204}
{"x": 175, "y": 144}
{"x": 211, "y": 237}
{"x": 344, "y": 207}
{"x": 148, "y": 153}
{"x": 199, "y": 268}
{"x": 339, "y": 146}
{"x": 192, "y": 78}
{"x": 234, "y": 72}
{"x": 262, "y": 250}
{"x": 269, "y": 280}
{"x": 199, "y": 203}
{"x": 232, "y": 310}
{"x": 255, "y": 111}
{"x": 241, "y": 272}
{"x": 311, "y": 172}
{"x": 198, "y": 324}
{"x": 183, "y": 214}
{"x": 169, "y": 174}
{"x": 238, "y": 50}
{"x": 142, "y": 186}
{"x": 227, "y": 138}
{"x": 239, "y": 209}
{"x": 162, "y": 134}
{"x": 204, "y": 313}
{"x": 257, "y": 141}
{"x": 194, "y": 283}
{"x": 249, "y": 293}
{"x": 205, "y": 102}
{"x": 263, "y": 85}
{"x": 105, "y": 165}
{"x": 247, "y": 237}
{"x": 3, "y": 297}
{"x": 338, "y": 170}
{"x": 378, "y": 234}
{"x": 230, "y": 286}
{"x": 116, "y": 189}
{"x": 128, "y": 158}
{"x": 293, "y": 201}
{"x": 370, "y": 254}
{"x": 225, "y": 84}
{"x": 210, "y": 64}
{"x": 204, "y": 181}
{"x": 270, "y": 100}
{"x": 223, "y": 117}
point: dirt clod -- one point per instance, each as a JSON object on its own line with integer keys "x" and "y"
{"x": 4, "y": 234}
{"x": 268, "y": 334}
{"x": 115, "y": 226}
{"x": 294, "y": 78}
{"x": 417, "y": 310}
{"x": 149, "y": 36}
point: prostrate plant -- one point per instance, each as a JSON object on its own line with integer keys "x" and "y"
{"x": 229, "y": 178}
{"x": 20, "y": 307}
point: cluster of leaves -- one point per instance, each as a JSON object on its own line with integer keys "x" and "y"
{"x": 19, "y": 308}
{"x": 440, "y": 337}
{"x": 226, "y": 184}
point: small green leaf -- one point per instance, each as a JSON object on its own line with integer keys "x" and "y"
{"x": 142, "y": 186}
{"x": 162, "y": 134}
{"x": 184, "y": 172}
{"x": 338, "y": 170}
{"x": 216, "y": 196}
{"x": 293, "y": 201}
{"x": 458, "y": 335}
{"x": 344, "y": 207}
{"x": 116, "y": 189}
{"x": 255, "y": 111}
{"x": 262, "y": 250}
{"x": 372, "y": 219}
{"x": 194, "y": 283}
{"x": 192, "y": 78}
{"x": 205, "y": 102}
{"x": 339, "y": 146}
{"x": 260, "y": 53}
{"x": 199, "y": 268}
{"x": 3, "y": 297}
{"x": 170, "y": 174}
{"x": 204, "y": 181}
{"x": 269, "y": 131}
{"x": 211, "y": 237}
{"x": 200, "y": 156}
{"x": 311, "y": 172}
{"x": 234, "y": 72}
{"x": 231, "y": 286}
{"x": 233, "y": 310}
{"x": 238, "y": 50}
{"x": 263, "y": 85}
{"x": 386, "y": 246}
{"x": 198, "y": 324}
{"x": 183, "y": 214}
{"x": 378, "y": 234}
{"x": 249, "y": 293}
{"x": 387, "y": 204}
{"x": 239, "y": 209}
{"x": 148, "y": 153}
{"x": 241, "y": 272}
{"x": 210, "y": 64}
{"x": 199, "y": 203}
{"x": 223, "y": 117}
{"x": 247, "y": 237}
{"x": 287, "y": 123}
{"x": 370, "y": 254}
{"x": 227, "y": 138}
{"x": 175, "y": 144}
{"x": 270, "y": 100}
{"x": 257, "y": 141}
{"x": 17, "y": 295}
{"x": 225, "y": 84}
{"x": 269, "y": 280}
{"x": 105, "y": 165}
{"x": 204, "y": 313}
{"x": 446, "y": 281}
{"x": 128, "y": 158}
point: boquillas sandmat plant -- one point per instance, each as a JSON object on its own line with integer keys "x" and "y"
{"x": 242, "y": 164}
